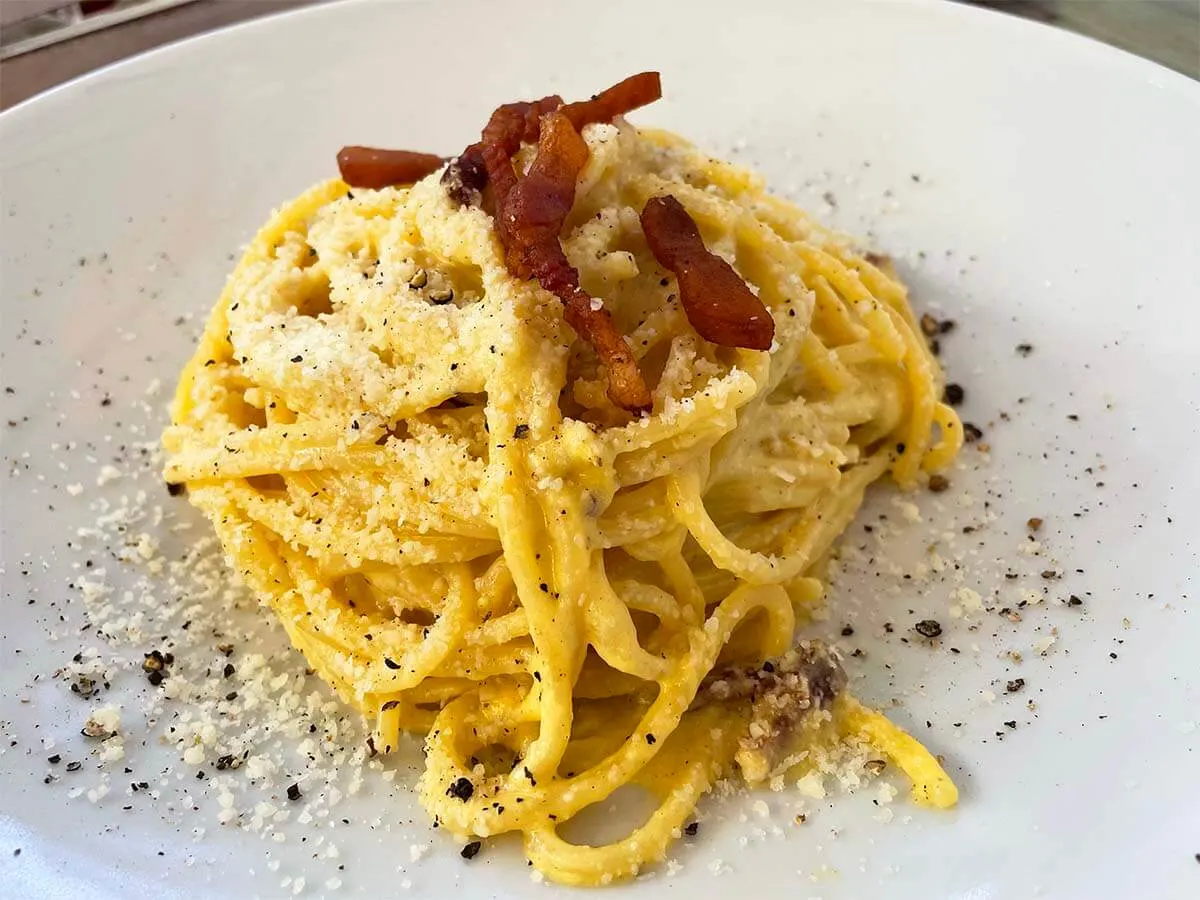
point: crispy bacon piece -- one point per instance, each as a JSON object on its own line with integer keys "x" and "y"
{"x": 530, "y": 212}
{"x": 509, "y": 126}
{"x": 514, "y": 123}
{"x": 367, "y": 167}
{"x": 624, "y": 96}
{"x": 717, "y": 301}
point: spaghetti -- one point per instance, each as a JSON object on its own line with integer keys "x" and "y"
{"x": 409, "y": 455}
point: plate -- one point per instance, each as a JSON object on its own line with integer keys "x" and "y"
{"x": 1039, "y": 189}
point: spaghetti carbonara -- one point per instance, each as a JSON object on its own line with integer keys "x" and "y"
{"x": 409, "y": 455}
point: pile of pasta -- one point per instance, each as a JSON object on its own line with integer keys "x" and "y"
{"x": 409, "y": 455}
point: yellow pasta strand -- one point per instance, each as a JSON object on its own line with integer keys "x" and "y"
{"x": 410, "y": 457}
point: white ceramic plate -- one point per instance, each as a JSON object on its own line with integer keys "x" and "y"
{"x": 1036, "y": 187}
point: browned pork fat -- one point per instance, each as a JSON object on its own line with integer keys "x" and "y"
{"x": 781, "y": 692}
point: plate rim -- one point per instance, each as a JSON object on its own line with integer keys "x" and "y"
{"x": 1157, "y": 73}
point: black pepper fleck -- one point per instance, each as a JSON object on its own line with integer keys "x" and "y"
{"x": 461, "y": 789}
{"x": 929, "y": 628}
{"x": 471, "y": 850}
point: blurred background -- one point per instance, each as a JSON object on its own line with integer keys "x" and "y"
{"x": 47, "y": 42}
